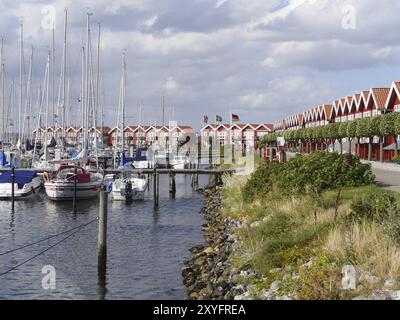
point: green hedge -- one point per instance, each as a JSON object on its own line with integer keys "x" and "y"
{"x": 381, "y": 125}
{"x": 308, "y": 174}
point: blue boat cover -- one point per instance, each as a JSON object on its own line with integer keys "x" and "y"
{"x": 122, "y": 159}
{"x": 141, "y": 154}
{"x": 21, "y": 177}
{"x": 3, "y": 160}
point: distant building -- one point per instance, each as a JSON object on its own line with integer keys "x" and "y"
{"x": 240, "y": 135}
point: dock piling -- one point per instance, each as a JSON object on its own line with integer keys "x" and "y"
{"x": 102, "y": 233}
{"x": 74, "y": 200}
{"x": 156, "y": 182}
{"x": 13, "y": 189}
{"x": 172, "y": 185}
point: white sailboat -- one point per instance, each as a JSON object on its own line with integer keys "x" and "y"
{"x": 73, "y": 179}
{"x": 26, "y": 184}
{"x": 127, "y": 186}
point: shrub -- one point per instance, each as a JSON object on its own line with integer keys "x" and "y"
{"x": 311, "y": 174}
{"x": 282, "y": 238}
{"x": 321, "y": 281}
{"x": 378, "y": 208}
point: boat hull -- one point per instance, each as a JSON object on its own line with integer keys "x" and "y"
{"x": 29, "y": 190}
{"x": 59, "y": 191}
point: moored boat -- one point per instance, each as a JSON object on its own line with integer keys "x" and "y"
{"x": 129, "y": 187}
{"x": 62, "y": 186}
{"x": 26, "y": 183}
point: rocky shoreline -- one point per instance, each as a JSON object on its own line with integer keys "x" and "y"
{"x": 209, "y": 275}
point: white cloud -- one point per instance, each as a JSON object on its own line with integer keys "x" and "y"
{"x": 151, "y": 21}
{"x": 171, "y": 84}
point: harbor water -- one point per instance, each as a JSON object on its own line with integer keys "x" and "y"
{"x": 146, "y": 247}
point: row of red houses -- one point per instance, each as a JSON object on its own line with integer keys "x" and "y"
{"x": 369, "y": 103}
{"x": 140, "y": 135}
{"x": 241, "y": 135}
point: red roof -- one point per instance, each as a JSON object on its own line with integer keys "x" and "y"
{"x": 380, "y": 97}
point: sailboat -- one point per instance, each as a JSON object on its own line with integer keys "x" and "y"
{"x": 127, "y": 186}
{"x": 72, "y": 179}
{"x": 26, "y": 183}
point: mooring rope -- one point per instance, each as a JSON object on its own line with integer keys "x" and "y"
{"x": 79, "y": 228}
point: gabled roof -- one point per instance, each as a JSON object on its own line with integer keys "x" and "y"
{"x": 380, "y": 96}
{"x": 209, "y": 126}
{"x": 356, "y": 101}
{"x": 268, "y": 127}
{"x": 131, "y": 128}
{"x": 393, "y": 94}
{"x": 348, "y": 104}
{"x": 327, "y": 110}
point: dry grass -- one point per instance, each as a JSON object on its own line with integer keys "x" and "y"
{"x": 234, "y": 204}
{"x": 365, "y": 245}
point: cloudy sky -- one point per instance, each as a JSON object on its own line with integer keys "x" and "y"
{"x": 261, "y": 59}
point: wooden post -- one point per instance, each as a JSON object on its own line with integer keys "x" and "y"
{"x": 158, "y": 189}
{"x": 172, "y": 185}
{"x": 12, "y": 189}
{"x": 210, "y": 152}
{"x": 155, "y": 189}
{"x": 102, "y": 243}
{"x": 102, "y": 235}
{"x": 74, "y": 200}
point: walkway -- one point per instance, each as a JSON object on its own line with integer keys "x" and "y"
{"x": 387, "y": 174}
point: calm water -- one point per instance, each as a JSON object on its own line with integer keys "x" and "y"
{"x": 146, "y": 248}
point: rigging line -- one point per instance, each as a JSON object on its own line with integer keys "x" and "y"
{"x": 48, "y": 238}
{"x": 42, "y": 252}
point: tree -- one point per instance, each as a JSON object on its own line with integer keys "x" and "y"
{"x": 333, "y": 132}
{"x": 351, "y": 132}
{"x": 342, "y": 133}
{"x": 387, "y": 128}
{"x": 373, "y": 130}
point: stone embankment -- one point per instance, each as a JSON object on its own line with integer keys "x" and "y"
{"x": 209, "y": 275}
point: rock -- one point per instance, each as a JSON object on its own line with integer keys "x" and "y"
{"x": 251, "y": 288}
{"x": 372, "y": 280}
{"x": 276, "y": 270}
{"x": 193, "y": 295}
{"x": 237, "y": 290}
{"x": 361, "y": 298}
{"x": 186, "y": 271}
{"x": 275, "y": 286}
{"x": 268, "y": 295}
{"x": 378, "y": 295}
{"x": 244, "y": 296}
{"x": 394, "y": 295}
{"x": 390, "y": 283}
{"x": 286, "y": 298}
{"x": 349, "y": 279}
{"x": 255, "y": 224}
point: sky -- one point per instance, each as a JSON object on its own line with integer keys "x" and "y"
{"x": 261, "y": 59}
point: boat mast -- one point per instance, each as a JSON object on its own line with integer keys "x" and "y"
{"x": 27, "y": 111}
{"x": 122, "y": 100}
{"x": 64, "y": 92}
{"x": 82, "y": 101}
{"x": 53, "y": 77}
{"x": 97, "y": 86}
{"x": 21, "y": 60}
{"x": 47, "y": 86}
{"x": 97, "y": 98}
{"x": 87, "y": 75}
{"x": 2, "y": 113}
